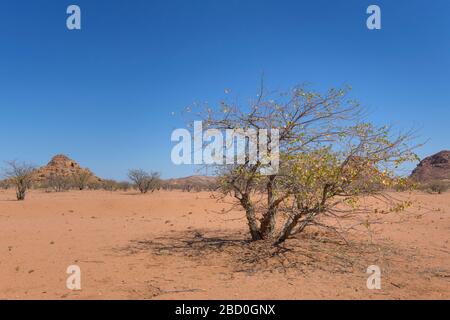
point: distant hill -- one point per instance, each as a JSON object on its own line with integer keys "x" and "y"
{"x": 203, "y": 182}
{"x": 435, "y": 167}
{"x": 61, "y": 165}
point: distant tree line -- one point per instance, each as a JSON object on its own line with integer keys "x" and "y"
{"x": 22, "y": 177}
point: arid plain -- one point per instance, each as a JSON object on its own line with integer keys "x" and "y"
{"x": 182, "y": 245}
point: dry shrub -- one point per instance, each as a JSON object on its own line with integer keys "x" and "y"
{"x": 124, "y": 185}
{"x": 436, "y": 186}
{"x": 20, "y": 175}
{"x": 5, "y": 184}
{"x": 110, "y": 185}
{"x": 145, "y": 181}
{"x": 58, "y": 183}
{"x": 81, "y": 179}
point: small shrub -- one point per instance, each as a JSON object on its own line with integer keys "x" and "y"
{"x": 21, "y": 175}
{"x": 59, "y": 183}
{"x": 144, "y": 181}
{"x": 94, "y": 185}
{"x": 81, "y": 179}
{"x": 438, "y": 187}
{"x": 5, "y": 184}
{"x": 124, "y": 185}
{"x": 110, "y": 185}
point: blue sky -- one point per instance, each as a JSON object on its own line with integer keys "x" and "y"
{"x": 104, "y": 94}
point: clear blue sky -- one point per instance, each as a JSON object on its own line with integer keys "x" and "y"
{"x": 104, "y": 94}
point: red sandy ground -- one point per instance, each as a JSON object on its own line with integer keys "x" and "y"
{"x": 177, "y": 245}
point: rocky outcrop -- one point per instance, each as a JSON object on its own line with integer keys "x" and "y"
{"x": 433, "y": 168}
{"x": 63, "y": 166}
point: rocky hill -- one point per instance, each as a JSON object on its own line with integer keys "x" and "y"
{"x": 61, "y": 165}
{"x": 435, "y": 167}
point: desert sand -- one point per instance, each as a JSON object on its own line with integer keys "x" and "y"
{"x": 181, "y": 245}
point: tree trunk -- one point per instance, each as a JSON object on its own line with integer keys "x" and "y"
{"x": 251, "y": 218}
{"x": 269, "y": 218}
{"x": 292, "y": 221}
{"x": 288, "y": 226}
{"x": 21, "y": 191}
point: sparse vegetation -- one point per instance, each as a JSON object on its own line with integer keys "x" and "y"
{"x": 110, "y": 185}
{"x": 190, "y": 184}
{"x": 94, "y": 185}
{"x": 58, "y": 182}
{"x": 4, "y": 184}
{"x": 21, "y": 176}
{"x": 124, "y": 185}
{"x": 81, "y": 179}
{"x": 187, "y": 187}
{"x": 436, "y": 186}
{"x": 144, "y": 181}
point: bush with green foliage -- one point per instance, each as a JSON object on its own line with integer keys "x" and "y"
{"x": 329, "y": 158}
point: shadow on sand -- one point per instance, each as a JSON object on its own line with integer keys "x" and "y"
{"x": 311, "y": 251}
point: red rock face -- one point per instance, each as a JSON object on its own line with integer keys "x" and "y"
{"x": 63, "y": 166}
{"x": 62, "y": 161}
{"x": 435, "y": 167}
